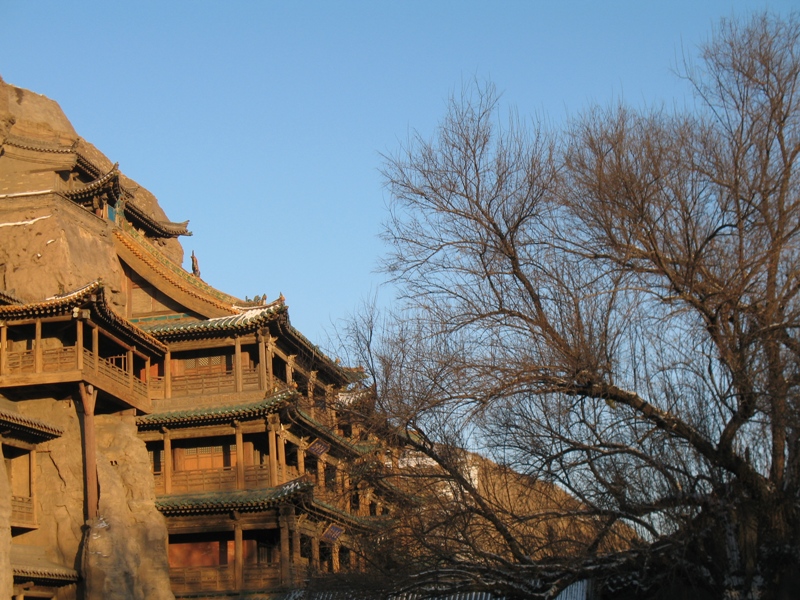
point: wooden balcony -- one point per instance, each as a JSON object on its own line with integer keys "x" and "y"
{"x": 200, "y": 384}
{"x": 215, "y": 480}
{"x": 261, "y": 577}
{"x": 202, "y": 579}
{"x": 60, "y": 365}
{"x": 222, "y": 578}
{"x": 22, "y": 512}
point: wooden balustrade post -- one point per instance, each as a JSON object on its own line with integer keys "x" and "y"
{"x": 167, "y": 461}
{"x": 88, "y": 401}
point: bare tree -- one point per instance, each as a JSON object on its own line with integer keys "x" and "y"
{"x": 609, "y": 311}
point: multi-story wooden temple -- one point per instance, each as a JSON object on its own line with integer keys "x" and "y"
{"x": 161, "y": 437}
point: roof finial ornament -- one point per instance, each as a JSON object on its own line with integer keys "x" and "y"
{"x": 195, "y": 266}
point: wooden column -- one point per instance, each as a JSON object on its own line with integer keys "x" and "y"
{"x": 3, "y": 347}
{"x": 273, "y": 454}
{"x": 315, "y": 552}
{"x": 147, "y": 371}
{"x": 96, "y": 347}
{"x": 79, "y": 344}
{"x": 312, "y": 383}
{"x": 282, "y": 478}
{"x": 167, "y": 462}
{"x": 237, "y": 363}
{"x": 37, "y": 347}
{"x": 335, "y": 557}
{"x": 88, "y": 400}
{"x": 321, "y": 473}
{"x": 301, "y": 458}
{"x": 168, "y": 375}
{"x": 290, "y": 368}
{"x": 32, "y": 481}
{"x": 296, "y": 544}
{"x": 129, "y": 358}
{"x": 270, "y": 356}
{"x": 285, "y": 554}
{"x": 238, "y": 554}
{"x": 239, "y": 456}
{"x": 262, "y": 363}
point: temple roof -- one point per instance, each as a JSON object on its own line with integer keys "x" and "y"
{"x": 109, "y": 180}
{"x": 299, "y": 415}
{"x": 29, "y": 427}
{"x": 92, "y": 295}
{"x": 241, "y": 500}
{"x": 138, "y": 216}
{"x": 30, "y": 563}
{"x": 248, "y": 320}
{"x": 137, "y": 251}
{"x": 216, "y": 414}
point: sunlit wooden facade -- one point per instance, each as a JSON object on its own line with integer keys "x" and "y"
{"x": 238, "y": 411}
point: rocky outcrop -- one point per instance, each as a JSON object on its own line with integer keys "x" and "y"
{"x": 6, "y": 578}
{"x": 122, "y": 554}
{"x": 40, "y": 151}
{"x": 125, "y": 548}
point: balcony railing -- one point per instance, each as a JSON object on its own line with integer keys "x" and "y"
{"x": 197, "y": 384}
{"x": 203, "y": 383}
{"x": 212, "y": 480}
{"x": 62, "y": 360}
{"x": 204, "y": 480}
{"x": 202, "y": 579}
{"x": 19, "y": 363}
{"x": 256, "y": 476}
{"x": 259, "y": 577}
{"x": 59, "y": 359}
{"x": 22, "y": 512}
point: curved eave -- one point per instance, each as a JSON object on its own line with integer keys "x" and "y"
{"x": 171, "y": 279}
{"x": 239, "y": 500}
{"x": 164, "y": 229}
{"x": 92, "y": 296}
{"x": 302, "y": 418}
{"x": 28, "y": 427}
{"x": 328, "y": 511}
{"x": 216, "y": 414}
{"x": 243, "y": 323}
{"x": 110, "y": 180}
{"x": 55, "y": 576}
{"x": 312, "y": 354}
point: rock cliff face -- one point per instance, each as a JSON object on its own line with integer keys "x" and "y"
{"x": 121, "y": 555}
{"x": 125, "y": 548}
{"x": 44, "y": 251}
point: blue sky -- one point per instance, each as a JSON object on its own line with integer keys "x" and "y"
{"x": 264, "y": 122}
